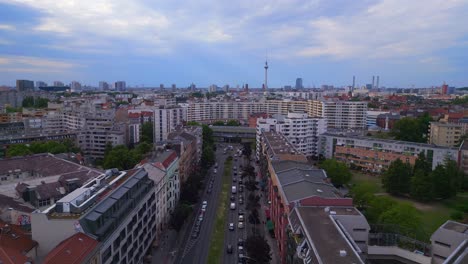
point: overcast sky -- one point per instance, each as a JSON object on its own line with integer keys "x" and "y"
{"x": 148, "y": 42}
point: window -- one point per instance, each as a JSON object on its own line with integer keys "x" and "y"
{"x": 442, "y": 244}
{"x": 106, "y": 255}
{"x": 359, "y": 230}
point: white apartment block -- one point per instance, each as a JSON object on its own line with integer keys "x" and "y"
{"x": 339, "y": 114}
{"x": 166, "y": 119}
{"x": 299, "y": 129}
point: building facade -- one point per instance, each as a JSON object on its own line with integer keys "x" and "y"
{"x": 299, "y": 129}
{"x": 166, "y": 119}
{"x": 447, "y": 134}
{"x": 375, "y": 155}
{"x": 118, "y": 209}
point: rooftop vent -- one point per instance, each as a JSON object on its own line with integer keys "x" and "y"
{"x": 320, "y": 191}
{"x": 343, "y": 253}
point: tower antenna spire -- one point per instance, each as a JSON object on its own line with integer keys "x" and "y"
{"x": 265, "y": 85}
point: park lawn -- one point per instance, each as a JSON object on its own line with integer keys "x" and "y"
{"x": 376, "y": 181}
{"x": 433, "y": 214}
{"x": 217, "y": 237}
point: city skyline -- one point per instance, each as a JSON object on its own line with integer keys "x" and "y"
{"x": 421, "y": 43}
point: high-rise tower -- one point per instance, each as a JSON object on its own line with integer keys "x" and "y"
{"x": 265, "y": 85}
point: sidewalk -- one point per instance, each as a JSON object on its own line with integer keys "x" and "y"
{"x": 169, "y": 245}
{"x": 271, "y": 241}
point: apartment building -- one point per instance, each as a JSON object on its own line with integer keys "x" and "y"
{"x": 185, "y": 145}
{"x": 340, "y": 114}
{"x": 166, "y": 119}
{"x": 375, "y": 155}
{"x": 163, "y": 169}
{"x": 301, "y": 130}
{"x": 447, "y": 134}
{"x": 118, "y": 209}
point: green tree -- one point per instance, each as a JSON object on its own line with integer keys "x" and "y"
{"x": 181, "y": 212}
{"x": 411, "y": 129}
{"x": 422, "y": 188}
{"x": 396, "y": 180}
{"x": 143, "y": 148}
{"x": 193, "y": 123}
{"x": 377, "y": 206}
{"x": 10, "y": 109}
{"x": 405, "y": 217}
{"x": 422, "y": 164}
{"x": 337, "y": 171}
{"x": 258, "y": 250}
{"x": 233, "y": 123}
{"x": 362, "y": 194}
{"x": 455, "y": 175}
{"x": 218, "y": 123}
{"x": 28, "y": 102}
{"x": 122, "y": 158}
{"x": 18, "y": 150}
{"x": 147, "y": 132}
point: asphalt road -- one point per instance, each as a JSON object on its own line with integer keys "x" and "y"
{"x": 196, "y": 250}
{"x": 232, "y": 237}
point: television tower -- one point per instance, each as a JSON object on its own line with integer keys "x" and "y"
{"x": 265, "y": 86}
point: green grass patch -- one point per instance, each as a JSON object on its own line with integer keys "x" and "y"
{"x": 375, "y": 181}
{"x": 217, "y": 237}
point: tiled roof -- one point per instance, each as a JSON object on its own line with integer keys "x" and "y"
{"x": 10, "y": 202}
{"x": 14, "y": 244}
{"x": 74, "y": 249}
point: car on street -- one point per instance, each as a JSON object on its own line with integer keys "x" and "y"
{"x": 240, "y": 242}
{"x": 234, "y": 179}
{"x": 194, "y": 235}
{"x": 240, "y": 249}
{"x": 241, "y": 200}
{"x": 233, "y": 198}
{"x": 215, "y": 171}
{"x": 216, "y": 165}
{"x": 240, "y": 225}
{"x": 234, "y": 168}
{"x": 241, "y": 188}
{"x": 203, "y": 208}
{"x": 231, "y": 226}
{"x": 233, "y": 206}
{"x": 229, "y": 249}
{"x": 200, "y": 217}
{"x": 205, "y": 202}
{"x": 241, "y": 218}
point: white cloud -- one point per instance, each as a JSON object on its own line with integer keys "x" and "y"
{"x": 286, "y": 28}
{"x": 389, "y": 29}
{"x": 6, "y": 27}
{"x": 35, "y": 64}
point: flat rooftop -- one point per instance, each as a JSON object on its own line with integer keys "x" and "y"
{"x": 279, "y": 144}
{"x": 390, "y": 141}
{"x": 326, "y": 237}
{"x": 457, "y": 227}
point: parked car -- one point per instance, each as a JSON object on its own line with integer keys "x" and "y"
{"x": 233, "y": 206}
{"x": 240, "y": 242}
{"x": 233, "y": 198}
{"x": 229, "y": 249}
{"x": 240, "y": 225}
{"x": 241, "y": 200}
{"x": 231, "y": 226}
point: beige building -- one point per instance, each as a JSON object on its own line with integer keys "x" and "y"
{"x": 446, "y": 134}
